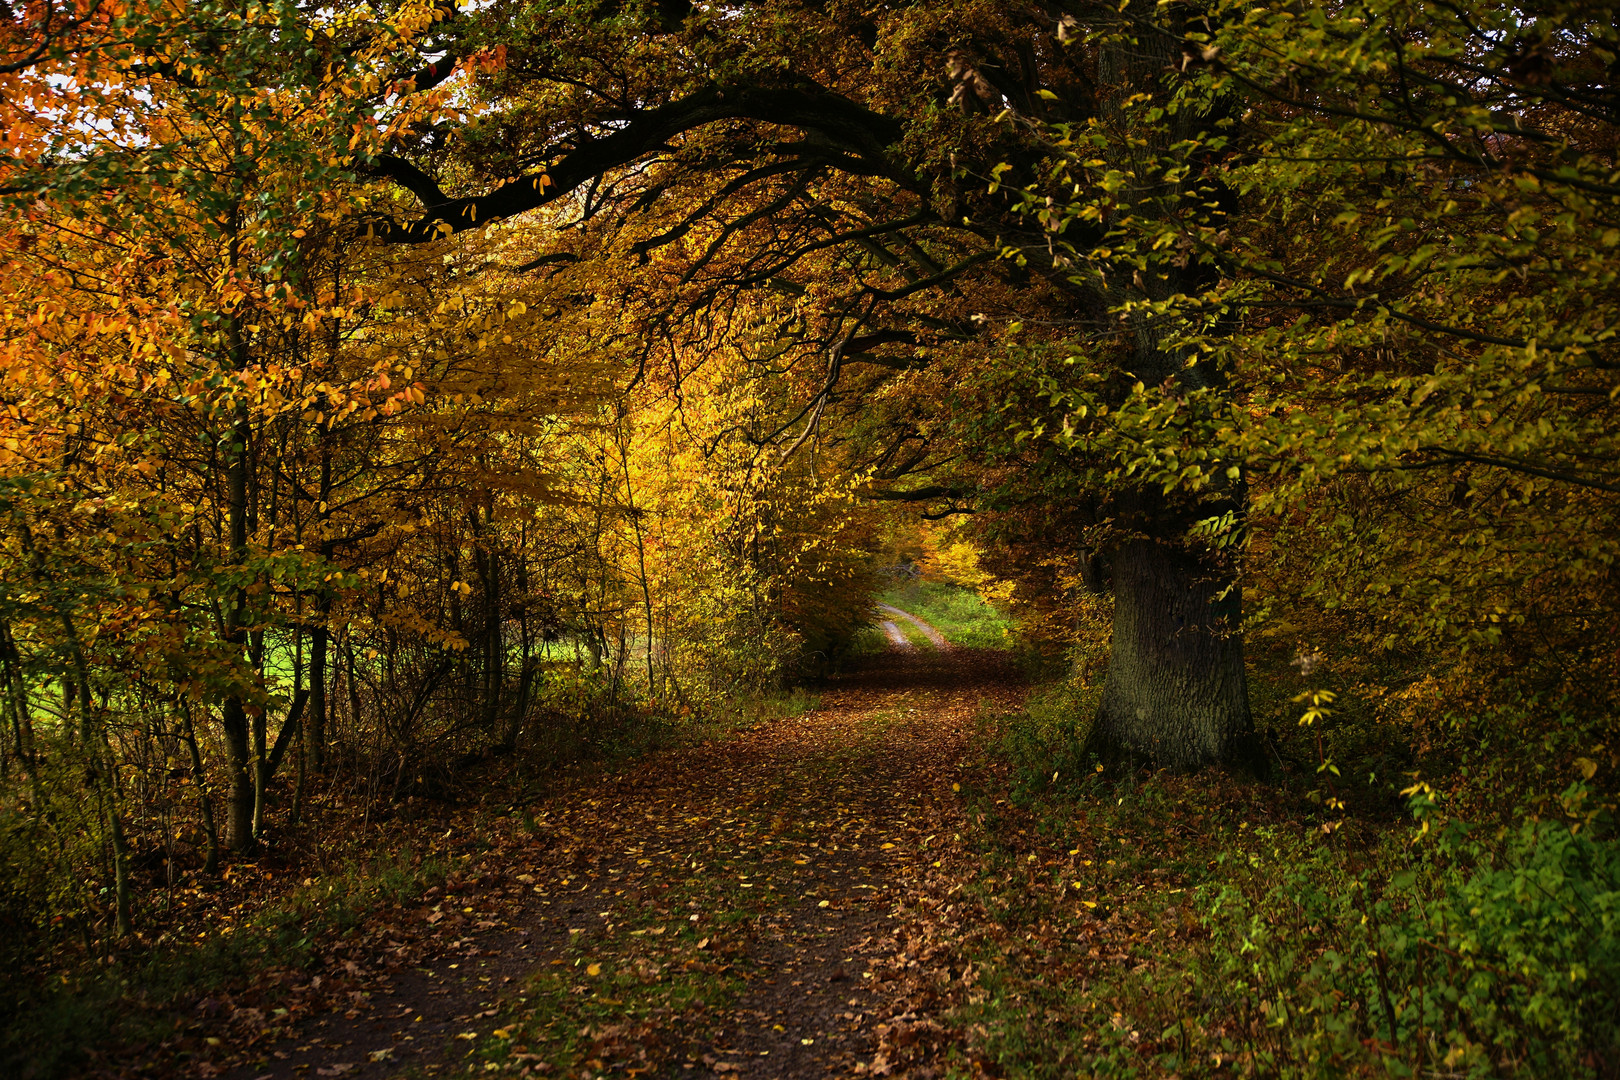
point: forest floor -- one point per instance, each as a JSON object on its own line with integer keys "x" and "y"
{"x": 765, "y": 904}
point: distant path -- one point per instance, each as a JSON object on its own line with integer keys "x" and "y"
{"x": 929, "y": 632}
{"x": 897, "y": 637}
{"x": 753, "y": 906}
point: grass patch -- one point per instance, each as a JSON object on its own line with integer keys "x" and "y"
{"x": 960, "y": 614}
{"x": 744, "y": 713}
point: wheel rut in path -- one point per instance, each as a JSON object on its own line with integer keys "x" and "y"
{"x": 738, "y": 907}
{"x": 934, "y": 637}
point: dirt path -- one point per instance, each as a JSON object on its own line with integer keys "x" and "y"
{"x": 897, "y": 637}
{"x": 734, "y": 907}
{"x": 934, "y": 636}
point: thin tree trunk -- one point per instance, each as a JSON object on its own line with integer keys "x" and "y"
{"x": 354, "y": 688}
{"x": 641, "y": 549}
{"x": 301, "y": 758}
{"x": 233, "y": 713}
{"x": 315, "y": 731}
{"x": 289, "y": 731}
{"x": 299, "y": 779}
{"x": 259, "y": 722}
{"x": 487, "y": 566}
{"x": 239, "y": 776}
{"x": 16, "y": 689}
{"x": 205, "y": 805}
{"x": 520, "y": 707}
{"x": 494, "y": 647}
{"x": 315, "y": 735}
{"x": 239, "y": 758}
{"x": 104, "y": 776}
{"x": 262, "y": 767}
{"x": 123, "y": 898}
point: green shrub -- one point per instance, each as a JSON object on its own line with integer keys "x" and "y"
{"x": 868, "y": 641}
{"x": 1299, "y": 927}
{"x": 1472, "y": 955}
{"x": 1044, "y": 745}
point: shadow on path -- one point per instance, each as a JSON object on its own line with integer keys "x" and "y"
{"x": 730, "y": 907}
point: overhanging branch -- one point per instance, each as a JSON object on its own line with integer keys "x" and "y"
{"x": 922, "y": 494}
{"x": 854, "y": 129}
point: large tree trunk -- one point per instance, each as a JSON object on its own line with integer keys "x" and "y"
{"x": 1176, "y": 695}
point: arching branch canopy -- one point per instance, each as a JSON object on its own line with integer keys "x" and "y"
{"x": 860, "y": 138}
{"x": 802, "y": 174}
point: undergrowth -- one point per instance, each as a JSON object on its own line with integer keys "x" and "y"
{"x": 868, "y": 641}
{"x": 141, "y": 999}
{"x": 745, "y": 712}
{"x": 265, "y": 918}
{"x": 1340, "y": 921}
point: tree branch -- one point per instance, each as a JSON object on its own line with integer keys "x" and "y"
{"x": 859, "y": 131}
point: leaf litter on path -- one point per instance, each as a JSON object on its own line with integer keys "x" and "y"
{"x": 757, "y": 905}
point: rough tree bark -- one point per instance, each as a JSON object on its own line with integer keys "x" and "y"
{"x": 1176, "y": 695}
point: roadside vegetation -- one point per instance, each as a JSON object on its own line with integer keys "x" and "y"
{"x": 1414, "y": 888}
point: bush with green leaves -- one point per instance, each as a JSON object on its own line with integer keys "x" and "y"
{"x": 1471, "y": 953}
{"x": 1045, "y": 744}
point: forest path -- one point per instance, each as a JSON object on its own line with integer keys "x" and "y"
{"x": 744, "y": 906}
{"x": 933, "y": 635}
